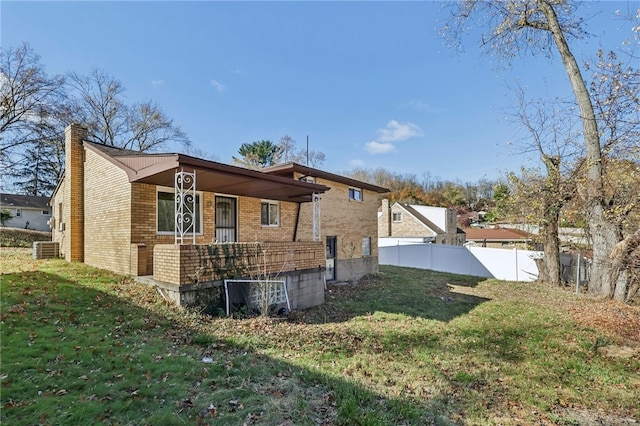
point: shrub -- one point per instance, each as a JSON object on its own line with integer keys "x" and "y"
{"x": 18, "y": 237}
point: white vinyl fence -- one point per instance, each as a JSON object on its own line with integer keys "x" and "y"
{"x": 503, "y": 264}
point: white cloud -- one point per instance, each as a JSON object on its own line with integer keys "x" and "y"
{"x": 393, "y": 132}
{"x": 217, "y": 85}
{"x": 423, "y": 106}
{"x": 396, "y": 131}
{"x": 356, "y": 163}
{"x": 375, "y": 147}
{"x": 157, "y": 83}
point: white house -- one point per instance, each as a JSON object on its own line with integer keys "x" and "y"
{"x": 27, "y": 211}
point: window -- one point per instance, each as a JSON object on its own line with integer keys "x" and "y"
{"x": 355, "y": 194}
{"x": 167, "y": 213}
{"x": 397, "y": 217}
{"x": 309, "y": 179}
{"x": 269, "y": 213}
{"x": 366, "y": 246}
{"x": 18, "y": 212}
{"x": 45, "y": 212}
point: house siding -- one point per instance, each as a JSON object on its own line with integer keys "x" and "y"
{"x": 107, "y": 198}
{"x": 409, "y": 226}
{"x": 250, "y": 228}
{"x": 30, "y": 218}
{"x": 350, "y": 221}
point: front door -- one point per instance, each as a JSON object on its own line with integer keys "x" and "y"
{"x": 226, "y": 220}
{"x": 331, "y": 258}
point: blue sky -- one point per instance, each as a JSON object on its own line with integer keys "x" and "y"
{"x": 370, "y": 83}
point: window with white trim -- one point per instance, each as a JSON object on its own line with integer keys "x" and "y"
{"x": 18, "y": 212}
{"x": 355, "y": 194}
{"x": 45, "y": 212}
{"x": 166, "y": 212}
{"x": 270, "y": 213}
{"x": 397, "y": 216}
{"x": 366, "y": 246}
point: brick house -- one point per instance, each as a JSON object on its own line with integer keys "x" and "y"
{"x": 27, "y": 211}
{"x": 185, "y": 223}
{"x": 345, "y": 225}
{"x": 436, "y": 225}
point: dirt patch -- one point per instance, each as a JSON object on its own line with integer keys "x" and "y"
{"x": 613, "y": 351}
{"x": 584, "y": 417}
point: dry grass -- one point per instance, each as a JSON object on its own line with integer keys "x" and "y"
{"x": 404, "y": 347}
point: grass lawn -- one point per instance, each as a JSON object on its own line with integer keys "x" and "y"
{"x": 407, "y": 347}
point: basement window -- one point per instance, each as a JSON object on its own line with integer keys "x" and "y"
{"x": 366, "y": 246}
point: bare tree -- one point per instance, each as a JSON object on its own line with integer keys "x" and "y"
{"x": 30, "y": 100}
{"x": 109, "y": 120}
{"x": 547, "y": 26}
{"x": 289, "y": 153}
{"x": 542, "y": 197}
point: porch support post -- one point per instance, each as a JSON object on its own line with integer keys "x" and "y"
{"x": 315, "y": 207}
{"x": 185, "y": 206}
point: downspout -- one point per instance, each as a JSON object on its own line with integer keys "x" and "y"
{"x": 295, "y": 225}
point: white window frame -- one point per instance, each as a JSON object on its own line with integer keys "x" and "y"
{"x": 399, "y": 216}
{"x": 270, "y": 203}
{"x": 199, "y": 212}
{"x": 354, "y": 193}
{"x": 18, "y": 212}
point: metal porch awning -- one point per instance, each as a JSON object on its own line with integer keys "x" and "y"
{"x": 211, "y": 176}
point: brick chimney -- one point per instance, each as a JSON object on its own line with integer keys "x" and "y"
{"x": 384, "y": 224}
{"x": 73, "y": 201}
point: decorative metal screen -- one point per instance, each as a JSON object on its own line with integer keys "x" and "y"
{"x": 315, "y": 207}
{"x": 185, "y": 205}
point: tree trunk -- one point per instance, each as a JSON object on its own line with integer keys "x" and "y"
{"x": 552, "y": 249}
{"x": 551, "y": 218}
{"x": 621, "y": 258}
{"x": 605, "y": 234}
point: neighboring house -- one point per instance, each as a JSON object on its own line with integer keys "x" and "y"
{"x": 498, "y": 238}
{"x": 27, "y": 211}
{"x": 436, "y": 225}
{"x": 190, "y": 222}
{"x": 345, "y": 220}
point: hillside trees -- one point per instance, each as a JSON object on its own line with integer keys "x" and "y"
{"x": 408, "y": 188}
{"x": 547, "y": 26}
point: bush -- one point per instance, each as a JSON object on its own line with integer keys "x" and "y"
{"x": 18, "y": 237}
